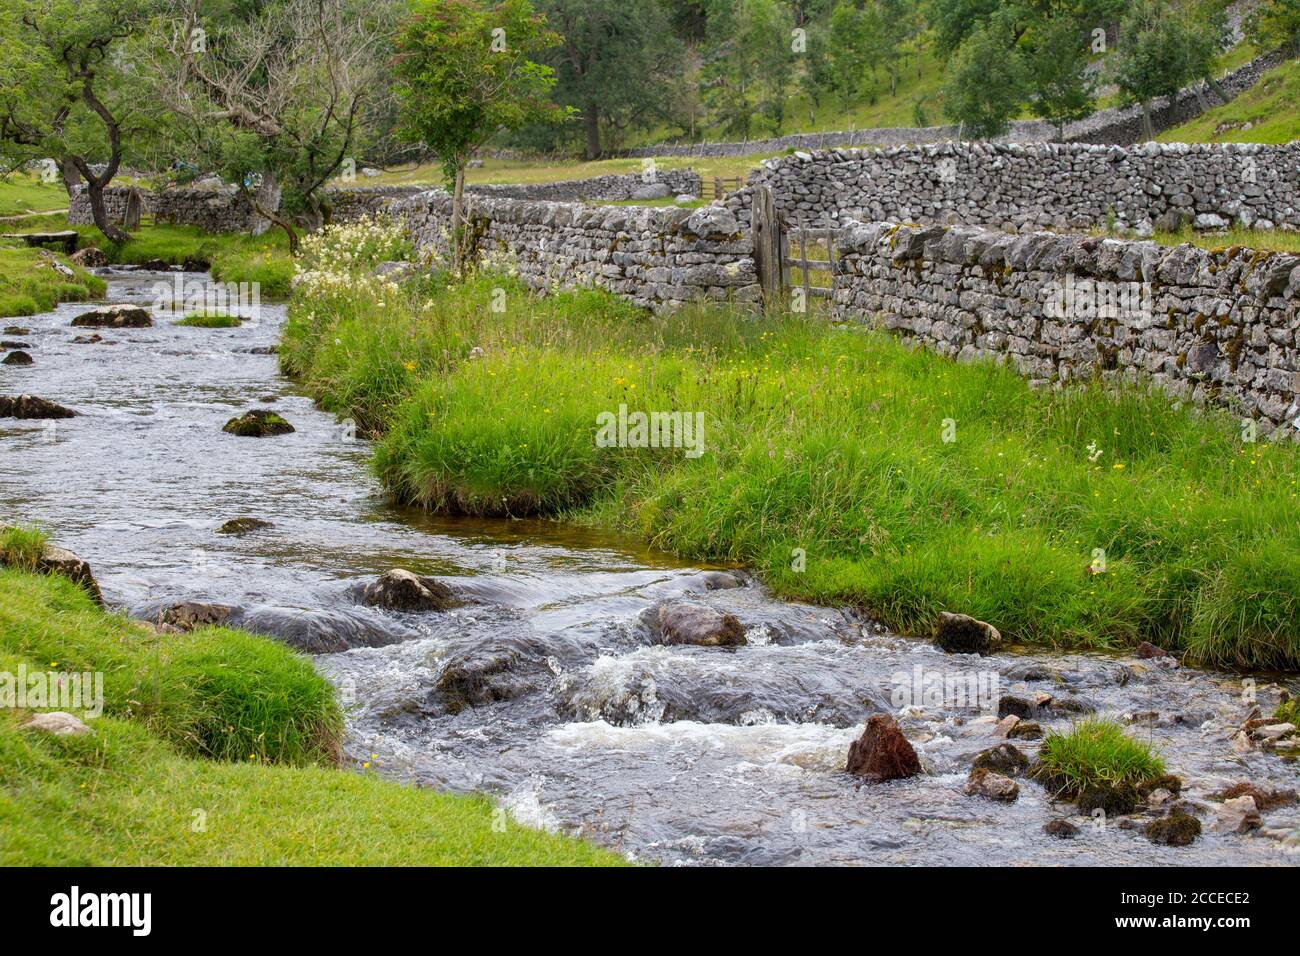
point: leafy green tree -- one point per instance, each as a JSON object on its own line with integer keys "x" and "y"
{"x": 1061, "y": 89}
{"x": 1276, "y": 23}
{"x": 987, "y": 80}
{"x": 849, "y": 48}
{"x": 1161, "y": 50}
{"x": 464, "y": 72}
{"x": 65, "y": 88}
{"x": 617, "y": 62}
{"x": 749, "y": 65}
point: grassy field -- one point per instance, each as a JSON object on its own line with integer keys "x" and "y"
{"x": 826, "y": 468}
{"x": 215, "y": 747}
{"x": 1266, "y": 113}
{"x": 22, "y": 193}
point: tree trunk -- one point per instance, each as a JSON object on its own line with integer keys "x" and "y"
{"x": 95, "y": 186}
{"x": 458, "y": 219}
{"x": 1148, "y": 130}
{"x": 591, "y": 119}
{"x": 71, "y": 178}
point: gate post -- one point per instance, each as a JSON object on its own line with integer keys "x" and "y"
{"x": 765, "y": 229}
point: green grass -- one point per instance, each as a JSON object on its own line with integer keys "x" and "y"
{"x": 1270, "y": 240}
{"x": 22, "y": 547}
{"x": 150, "y": 785}
{"x": 209, "y": 320}
{"x": 29, "y": 283}
{"x": 1288, "y": 713}
{"x": 234, "y": 257}
{"x": 1269, "y": 107}
{"x": 830, "y": 442}
{"x": 1095, "y": 753}
{"x": 22, "y": 193}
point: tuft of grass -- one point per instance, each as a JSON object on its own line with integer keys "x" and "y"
{"x": 1095, "y": 753}
{"x": 22, "y": 547}
{"x": 131, "y": 792}
{"x": 210, "y": 320}
{"x": 1288, "y": 713}
{"x": 828, "y": 442}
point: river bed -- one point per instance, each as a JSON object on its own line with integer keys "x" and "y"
{"x": 564, "y": 710}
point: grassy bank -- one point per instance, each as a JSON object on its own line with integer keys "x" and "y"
{"x": 1082, "y": 517}
{"x": 23, "y": 193}
{"x": 215, "y": 747}
{"x": 30, "y": 283}
{"x": 233, "y": 257}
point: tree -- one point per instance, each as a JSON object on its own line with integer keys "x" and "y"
{"x": 611, "y": 54}
{"x": 1161, "y": 51}
{"x": 1061, "y": 88}
{"x": 273, "y": 97}
{"x": 463, "y": 73}
{"x": 1276, "y": 23}
{"x": 987, "y": 81}
{"x": 65, "y": 87}
{"x": 749, "y": 64}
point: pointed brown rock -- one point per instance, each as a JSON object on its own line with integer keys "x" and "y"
{"x": 882, "y": 752}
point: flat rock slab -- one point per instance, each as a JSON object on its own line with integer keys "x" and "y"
{"x": 115, "y": 317}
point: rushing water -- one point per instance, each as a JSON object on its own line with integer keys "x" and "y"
{"x": 574, "y": 719}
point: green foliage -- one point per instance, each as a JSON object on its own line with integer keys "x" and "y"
{"x": 829, "y": 440}
{"x": 1162, "y": 49}
{"x": 1265, "y": 113}
{"x": 463, "y": 72}
{"x": 750, "y": 67}
{"x": 1060, "y": 88}
{"x": 1095, "y": 753}
{"x": 1275, "y": 23}
{"x": 987, "y": 81}
{"x": 209, "y": 320}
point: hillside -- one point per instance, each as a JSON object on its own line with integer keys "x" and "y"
{"x": 1266, "y": 113}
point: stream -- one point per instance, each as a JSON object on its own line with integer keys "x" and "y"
{"x": 544, "y": 689}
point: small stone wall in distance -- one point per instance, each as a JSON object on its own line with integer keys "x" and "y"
{"x": 1218, "y": 326}
{"x": 657, "y": 257}
{"x": 212, "y": 210}
{"x": 357, "y": 202}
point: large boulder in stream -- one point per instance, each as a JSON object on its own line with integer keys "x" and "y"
{"x": 31, "y": 406}
{"x": 259, "y": 423}
{"x": 89, "y": 258}
{"x": 402, "y": 590}
{"x": 319, "y": 631}
{"x": 115, "y": 317}
{"x": 17, "y": 358}
{"x": 682, "y": 622}
{"x": 963, "y": 634}
{"x": 882, "y": 752}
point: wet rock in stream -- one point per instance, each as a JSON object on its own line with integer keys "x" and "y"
{"x": 963, "y": 634}
{"x": 188, "y": 615}
{"x": 259, "y": 423}
{"x": 319, "y": 631}
{"x": 401, "y": 590}
{"x": 32, "y": 407}
{"x": 1177, "y": 829}
{"x": 243, "y": 526}
{"x": 698, "y": 624}
{"x": 115, "y": 317}
{"x": 882, "y": 752}
{"x": 992, "y": 785}
{"x": 17, "y": 358}
{"x": 1005, "y": 759}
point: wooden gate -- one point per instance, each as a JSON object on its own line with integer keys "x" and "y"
{"x": 813, "y": 267}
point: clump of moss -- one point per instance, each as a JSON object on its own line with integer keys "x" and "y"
{"x": 1288, "y": 713}
{"x": 258, "y": 423}
{"x": 1096, "y": 755}
{"x": 22, "y": 548}
{"x": 1177, "y": 829}
{"x": 210, "y": 320}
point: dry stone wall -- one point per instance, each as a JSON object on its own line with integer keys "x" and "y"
{"x": 1047, "y": 185}
{"x": 1219, "y": 326}
{"x": 657, "y": 257}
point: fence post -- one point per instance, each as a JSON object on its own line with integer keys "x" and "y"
{"x": 766, "y": 232}
{"x": 131, "y": 215}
